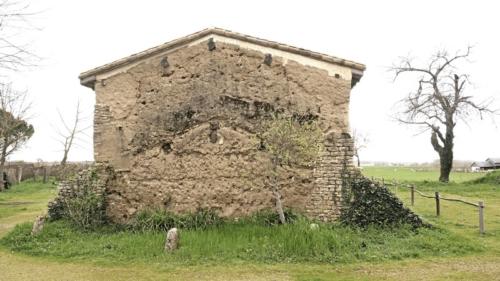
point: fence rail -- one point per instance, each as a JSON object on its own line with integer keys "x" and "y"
{"x": 480, "y": 205}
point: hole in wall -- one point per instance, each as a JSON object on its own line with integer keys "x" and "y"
{"x": 214, "y": 127}
{"x": 167, "y": 147}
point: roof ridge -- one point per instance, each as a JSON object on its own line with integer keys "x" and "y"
{"x": 88, "y": 77}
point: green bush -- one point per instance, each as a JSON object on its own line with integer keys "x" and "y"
{"x": 157, "y": 219}
{"x": 86, "y": 211}
{"x": 269, "y": 217}
{"x": 367, "y": 203}
{"x": 83, "y": 204}
{"x": 154, "y": 220}
{"x": 489, "y": 178}
{"x": 201, "y": 219}
{"x": 163, "y": 220}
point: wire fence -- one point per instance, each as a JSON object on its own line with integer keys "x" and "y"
{"x": 437, "y": 197}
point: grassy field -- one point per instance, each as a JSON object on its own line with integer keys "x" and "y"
{"x": 408, "y": 174}
{"x": 241, "y": 242}
{"x": 454, "y": 252}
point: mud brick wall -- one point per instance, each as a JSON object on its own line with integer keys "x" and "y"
{"x": 180, "y": 130}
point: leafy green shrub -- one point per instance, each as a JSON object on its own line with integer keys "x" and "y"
{"x": 367, "y": 203}
{"x": 201, "y": 219}
{"x": 86, "y": 210}
{"x": 56, "y": 210}
{"x": 491, "y": 178}
{"x": 163, "y": 220}
{"x": 81, "y": 201}
{"x": 269, "y": 217}
{"x": 154, "y": 220}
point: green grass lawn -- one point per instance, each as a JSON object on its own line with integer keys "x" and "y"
{"x": 29, "y": 197}
{"x": 456, "y": 217}
{"x": 238, "y": 242}
{"x": 409, "y": 174}
{"x": 453, "y": 251}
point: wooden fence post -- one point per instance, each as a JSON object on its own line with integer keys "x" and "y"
{"x": 44, "y": 174}
{"x": 412, "y": 193}
{"x": 481, "y": 217}
{"x": 438, "y": 209}
{"x": 35, "y": 170}
{"x": 19, "y": 174}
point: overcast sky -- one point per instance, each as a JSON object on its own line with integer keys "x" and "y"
{"x": 75, "y": 36}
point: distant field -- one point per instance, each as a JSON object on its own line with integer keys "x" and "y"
{"x": 416, "y": 174}
{"x": 457, "y": 217}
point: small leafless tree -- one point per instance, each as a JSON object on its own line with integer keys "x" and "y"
{"x": 360, "y": 141}
{"x": 14, "y": 130}
{"x": 69, "y": 135}
{"x": 439, "y": 102}
{"x": 14, "y": 50}
{"x": 289, "y": 142}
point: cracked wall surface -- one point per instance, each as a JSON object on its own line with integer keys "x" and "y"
{"x": 180, "y": 130}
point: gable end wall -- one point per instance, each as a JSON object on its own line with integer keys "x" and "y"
{"x": 184, "y": 137}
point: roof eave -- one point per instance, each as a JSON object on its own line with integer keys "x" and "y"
{"x": 88, "y": 78}
{"x": 88, "y": 81}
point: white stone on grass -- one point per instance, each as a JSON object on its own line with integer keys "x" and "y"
{"x": 38, "y": 225}
{"x": 172, "y": 242}
{"x": 313, "y": 226}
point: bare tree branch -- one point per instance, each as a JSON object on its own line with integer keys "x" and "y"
{"x": 14, "y": 20}
{"x": 439, "y": 101}
{"x": 70, "y": 134}
{"x": 360, "y": 142}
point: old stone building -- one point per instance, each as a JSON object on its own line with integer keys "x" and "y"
{"x": 178, "y": 123}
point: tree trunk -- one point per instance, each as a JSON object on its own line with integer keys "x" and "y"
{"x": 2, "y": 170}
{"x": 446, "y": 162}
{"x": 3, "y": 157}
{"x": 445, "y": 152}
{"x": 1, "y": 178}
{"x": 357, "y": 159}
{"x": 65, "y": 158}
{"x": 276, "y": 193}
{"x": 279, "y": 206}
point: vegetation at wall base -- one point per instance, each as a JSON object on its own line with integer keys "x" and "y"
{"x": 81, "y": 201}
{"x": 86, "y": 211}
{"x": 368, "y": 203}
{"x": 239, "y": 241}
{"x": 157, "y": 219}
{"x": 269, "y": 217}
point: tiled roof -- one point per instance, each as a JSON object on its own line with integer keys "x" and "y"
{"x": 88, "y": 77}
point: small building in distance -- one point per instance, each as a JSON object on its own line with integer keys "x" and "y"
{"x": 488, "y": 164}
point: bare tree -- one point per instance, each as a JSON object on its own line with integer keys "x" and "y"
{"x": 14, "y": 50}
{"x": 360, "y": 141}
{"x": 289, "y": 142}
{"x": 69, "y": 135}
{"x": 439, "y": 102}
{"x": 14, "y": 130}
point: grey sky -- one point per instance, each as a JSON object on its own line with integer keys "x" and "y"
{"x": 79, "y": 35}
